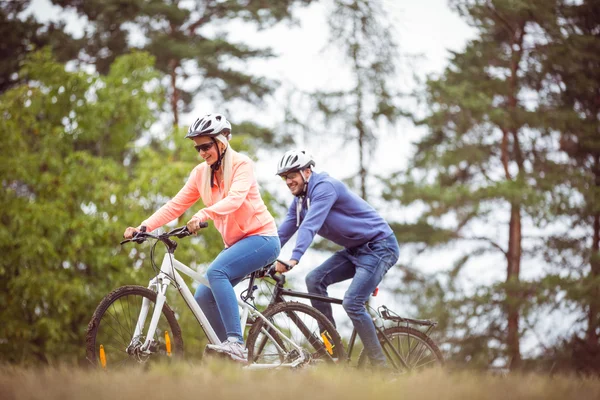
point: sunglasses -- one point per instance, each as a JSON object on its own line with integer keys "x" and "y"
{"x": 291, "y": 175}
{"x": 204, "y": 147}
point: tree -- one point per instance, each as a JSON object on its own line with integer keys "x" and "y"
{"x": 571, "y": 63}
{"x": 73, "y": 180}
{"x": 181, "y": 35}
{"x": 64, "y": 138}
{"x": 480, "y": 161}
{"x": 362, "y": 32}
{"x": 21, "y": 36}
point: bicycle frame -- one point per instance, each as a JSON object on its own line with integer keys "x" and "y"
{"x": 160, "y": 283}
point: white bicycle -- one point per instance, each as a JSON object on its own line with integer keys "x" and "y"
{"x": 288, "y": 334}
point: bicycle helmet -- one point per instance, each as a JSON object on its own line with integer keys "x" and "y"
{"x": 210, "y": 125}
{"x": 294, "y": 160}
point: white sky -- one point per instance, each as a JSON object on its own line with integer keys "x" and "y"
{"x": 427, "y": 28}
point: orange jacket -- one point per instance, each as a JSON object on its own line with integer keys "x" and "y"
{"x": 238, "y": 214}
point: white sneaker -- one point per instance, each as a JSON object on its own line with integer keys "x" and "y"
{"x": 232, "y": 348}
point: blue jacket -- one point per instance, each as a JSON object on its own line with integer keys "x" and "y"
{"x": 335, "y": 213}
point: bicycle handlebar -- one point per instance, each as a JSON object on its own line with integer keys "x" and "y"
{"x": 142, "y": 235}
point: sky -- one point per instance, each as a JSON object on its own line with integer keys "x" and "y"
{"x": 425, "y": 29}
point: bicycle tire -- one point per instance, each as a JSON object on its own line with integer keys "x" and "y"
{"x": 263, "y": 342}
{"x": 422, "y": 347}
{"x": 113, "y": 324}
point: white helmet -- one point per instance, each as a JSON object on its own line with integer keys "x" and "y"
{"x": 210, "y": 125}
{"x": 294, "y": 160}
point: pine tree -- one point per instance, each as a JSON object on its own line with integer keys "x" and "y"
{"x": 571, "y": 61}
{"x": 181, "y": 36}
{"x": 21, "y": 36}
{"x": 478, "y": 163}
{"x": 361, "y": 31}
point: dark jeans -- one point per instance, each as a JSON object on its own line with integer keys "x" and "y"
{"x": 365, "y": 265}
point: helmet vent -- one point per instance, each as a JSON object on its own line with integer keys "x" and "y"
{"x": 210, "y": 125}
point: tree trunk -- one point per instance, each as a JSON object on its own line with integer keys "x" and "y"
{"x": 593, "y": 320}
{"x": 512, "y": 280}
{"x": 513, "y": 293}
{"x": 363, "y": 170}
{"x": 175, "y": 94}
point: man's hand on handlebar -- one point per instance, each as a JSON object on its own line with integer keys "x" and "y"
{"x": 283, "y": 267}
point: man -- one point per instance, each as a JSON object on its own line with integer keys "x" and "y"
{"x": 326, "y": 206}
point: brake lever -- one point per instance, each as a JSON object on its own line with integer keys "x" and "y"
{"x": 140, "y": 236}
{"x": 180, "y": 232}
{"x": 184, "y": 231}
{"x": 134, "y": 239}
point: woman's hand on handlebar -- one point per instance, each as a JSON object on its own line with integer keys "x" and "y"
{"x": 194, "y": 224}
{"x": 282, "y": 268}
{"x": 130, "y": 231}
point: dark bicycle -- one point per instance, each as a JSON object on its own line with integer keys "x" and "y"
{"x": 406, "y": 347}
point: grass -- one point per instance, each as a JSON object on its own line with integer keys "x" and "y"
{"x": 216, "y": 380}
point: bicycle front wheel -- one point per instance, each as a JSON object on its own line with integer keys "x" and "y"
{"x": 110, "y": 341}
{"x": 406, "y": 349}
{"x": 316, "y": 338}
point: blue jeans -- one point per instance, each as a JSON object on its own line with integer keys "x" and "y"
{"x": 365, "y": 265}
{"x": 219, "y": 302}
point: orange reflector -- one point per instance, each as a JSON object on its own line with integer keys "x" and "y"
{"x": 375, "y": 291}
{"x": 102, "y": 357}
{"x": 328, "y": 345}
{"x": 168, "y": 343}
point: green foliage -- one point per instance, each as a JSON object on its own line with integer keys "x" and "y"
{"x": 72, "y": 181}
{"x": 65, "y": 136}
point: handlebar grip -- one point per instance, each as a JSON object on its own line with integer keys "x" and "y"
{"x": 203, "y": 225}
{"x": 133, "y": 238}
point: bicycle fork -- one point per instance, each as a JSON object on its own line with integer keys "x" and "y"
{"x": 146, "y": 347}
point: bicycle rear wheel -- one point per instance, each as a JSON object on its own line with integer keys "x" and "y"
{"x": 305, "y": 326}
{"x": 110, "y": 341}
{"x": 406, "y": 349}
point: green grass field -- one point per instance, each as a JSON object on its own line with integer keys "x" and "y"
{"x": 218, "y": 380}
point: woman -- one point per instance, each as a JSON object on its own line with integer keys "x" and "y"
{"x": 229, "y": 190}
